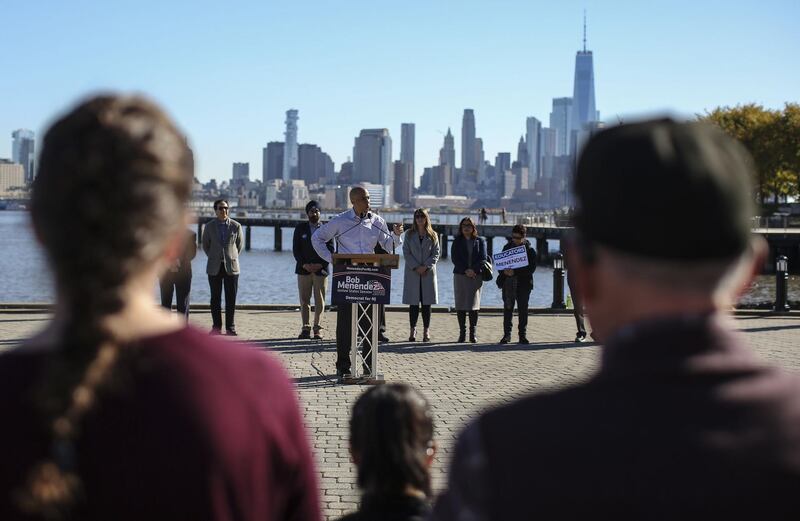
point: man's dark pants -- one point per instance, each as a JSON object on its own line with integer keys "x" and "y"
{"x": 231, "y": 284}
{"x": 577, "y": 306}
{"x": 344, "y": 316}
{"x": 180, "y": 284}
{"x": 519, "y": 298}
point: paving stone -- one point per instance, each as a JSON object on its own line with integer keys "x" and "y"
{"x": 460, "y": 380}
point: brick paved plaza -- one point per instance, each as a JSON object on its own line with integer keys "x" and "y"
{"x": 459, "y": 379}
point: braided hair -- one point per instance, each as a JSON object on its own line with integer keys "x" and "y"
{"x": 114, "y": 177}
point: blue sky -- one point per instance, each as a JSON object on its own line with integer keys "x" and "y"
{"x": 228, "y": 71}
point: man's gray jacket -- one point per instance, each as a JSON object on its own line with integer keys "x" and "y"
{"x": 219, "y": 253}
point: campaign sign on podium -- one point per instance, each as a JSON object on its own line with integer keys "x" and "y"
{"x": 361, "y": 284}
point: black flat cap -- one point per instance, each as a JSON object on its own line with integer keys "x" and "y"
{"x": 666, "y": 190}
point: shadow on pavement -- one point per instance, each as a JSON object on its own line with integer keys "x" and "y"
{"x": 768, "y": 328}
{"x": 310, "y": 382}
{"x": 411, "y": 348}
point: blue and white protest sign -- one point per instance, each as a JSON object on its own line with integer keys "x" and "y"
{"x": 510, "y": 259}
{"x": 360, "y": 284}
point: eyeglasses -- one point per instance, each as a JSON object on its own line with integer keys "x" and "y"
{"x": 222, "y": 208}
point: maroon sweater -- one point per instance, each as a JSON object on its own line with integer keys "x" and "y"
{"x": 201, "y": 429}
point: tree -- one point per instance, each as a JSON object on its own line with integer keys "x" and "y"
{"x": 773, "y": 139}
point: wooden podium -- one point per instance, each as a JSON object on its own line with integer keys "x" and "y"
{"x": 365, "y": 321}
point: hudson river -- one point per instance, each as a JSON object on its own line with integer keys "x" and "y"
{"x": 267, "y": 276}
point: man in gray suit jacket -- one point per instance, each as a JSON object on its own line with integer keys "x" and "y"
{"x": 222, "y": 242}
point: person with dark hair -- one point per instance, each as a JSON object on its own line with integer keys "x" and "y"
{"x": 392, "y": 446}
{"x": 421, "y": 253}
{"x": 516, "y": 285}
{"x": 177, "y": 279}
{"x": 468, "y": 254}
{"x": 223, "y": 242}
{"x": 681, "y": 421}
{"x": 119, "y": 410}
{"x": 311, "y": 271}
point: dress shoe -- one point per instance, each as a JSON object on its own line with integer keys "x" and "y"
{"x": 304, "y": 334}
{"x": 523, "y": 340}
{"x": 341, "y": 376}
{"x": 506, "y": 339}
{"x": 231, "y": 331}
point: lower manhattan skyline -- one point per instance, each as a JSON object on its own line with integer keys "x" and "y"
{"x": 229, "y": 74}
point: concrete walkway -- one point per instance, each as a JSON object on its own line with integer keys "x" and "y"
{"x": 459, "y": 379}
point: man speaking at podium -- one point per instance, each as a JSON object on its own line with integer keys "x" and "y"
{"x": 356, "y": 231}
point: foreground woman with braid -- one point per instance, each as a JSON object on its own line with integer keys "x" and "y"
{"x": 118, "y": 410}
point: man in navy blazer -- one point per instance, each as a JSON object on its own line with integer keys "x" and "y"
{"x": 311, "y": 271}
{"x": 222, "y": 243}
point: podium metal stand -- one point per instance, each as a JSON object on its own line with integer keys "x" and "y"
{"x": 365, "y": 321}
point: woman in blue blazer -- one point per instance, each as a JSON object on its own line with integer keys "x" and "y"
{"x": 468, "y": 255}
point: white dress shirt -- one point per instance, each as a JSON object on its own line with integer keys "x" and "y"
{"x": 354, "y": 234}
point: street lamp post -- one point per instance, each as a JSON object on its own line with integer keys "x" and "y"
{"x": 781, "y": 284}
{"x": 558, "y": 282}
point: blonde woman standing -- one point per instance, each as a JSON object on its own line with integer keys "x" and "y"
{"x": 421, "y": 253}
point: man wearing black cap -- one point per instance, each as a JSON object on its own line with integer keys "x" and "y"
{"x": 311, "y": 270}
{"x": 681, "y": 421}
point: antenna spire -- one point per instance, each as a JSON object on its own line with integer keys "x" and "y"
{"x": 584, "y": 30}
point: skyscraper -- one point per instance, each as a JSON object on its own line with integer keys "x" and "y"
{"x": 240, "y": 175}
{"x": 403, "y": 182}
{"x": 468, "y": 155}
{"x": 442, "y": 180}
{"x": 272, "y": 167}
{"x": 547, "y": 152}
{"x": 522, "y": 152}
{"x": 407, "y": 131}
{"x": 447, "y": 154}
{"x": 290, "y": 157}
{"x": 502, "y": 162}
{"x": 313, "y": 164}
{"x": 560, "y": 120}
{"x": 479, "y": 159}
{"x": 22, "y": 152}
{"x": 583, "y": 108}
{"x": 533, "y": 142}
{"x": 372, "y": 160}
